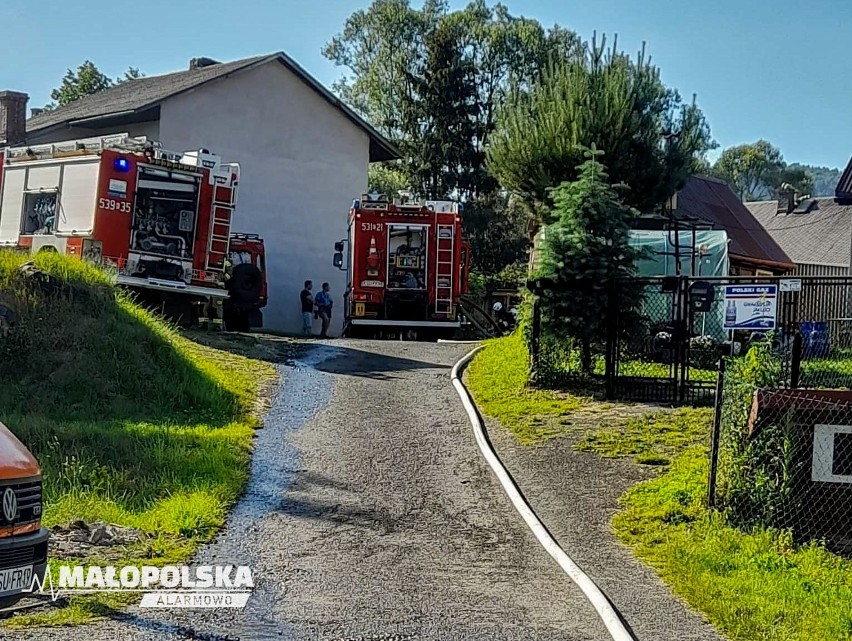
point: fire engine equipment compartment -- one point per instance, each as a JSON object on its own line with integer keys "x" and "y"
{"x": 164, "y": 215}
{"x": 407, "y": 257}
{"x": 163, "y": 226}
{"x": 406, "y": 297}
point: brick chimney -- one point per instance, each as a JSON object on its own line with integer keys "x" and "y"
{"x": 13, "y": 117}
{"x": 200, "y": 63}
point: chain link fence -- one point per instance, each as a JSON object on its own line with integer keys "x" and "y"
{"x": 782, "y": 456}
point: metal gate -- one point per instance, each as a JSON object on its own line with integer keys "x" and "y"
{"x": 670, "y": 354}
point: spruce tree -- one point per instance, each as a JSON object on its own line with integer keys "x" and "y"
{"x": 583, "y": 251}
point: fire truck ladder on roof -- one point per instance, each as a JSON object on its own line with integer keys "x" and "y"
{"x": 219, "y": 240}
{"x": 444, "y": 267}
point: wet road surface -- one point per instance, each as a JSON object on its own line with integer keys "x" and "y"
{"x": 370, "y": 515}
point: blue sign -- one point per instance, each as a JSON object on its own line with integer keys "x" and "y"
{"x": 750, "y": 307}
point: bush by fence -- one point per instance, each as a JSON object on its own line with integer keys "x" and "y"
{"x": 785, "y": 452}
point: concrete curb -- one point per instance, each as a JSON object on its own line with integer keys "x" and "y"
{"x": 610, "y": 617}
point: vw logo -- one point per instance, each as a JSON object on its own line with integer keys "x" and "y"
{"x": 10, "y": 504}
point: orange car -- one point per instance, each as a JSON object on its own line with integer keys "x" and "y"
{"x": 23, "y": 540}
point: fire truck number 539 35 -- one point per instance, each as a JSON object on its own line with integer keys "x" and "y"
{"x": 114, "y": 205}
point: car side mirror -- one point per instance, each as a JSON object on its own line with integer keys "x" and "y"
{"x": 338, "y": 260}
{"x": 338, "y": 246}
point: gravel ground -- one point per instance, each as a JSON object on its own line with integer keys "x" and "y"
{"x": 370, "y": 515}
{"x": 576, "y": 494}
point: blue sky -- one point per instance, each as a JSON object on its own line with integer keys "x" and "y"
{"x": 761, "y": 68}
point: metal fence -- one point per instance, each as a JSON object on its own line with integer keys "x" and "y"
{"x": 781, "y": 457}
{"x": 671, "y": 353}
{"x": 669, "y": 350}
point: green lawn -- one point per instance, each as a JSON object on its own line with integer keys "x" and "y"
{"x": 653, "y": 439}
{"x": 661, "y": 370}
{"x": 498, "y": 380}
{"x": 133, "y": 423}
{"x": 751, "y": 585}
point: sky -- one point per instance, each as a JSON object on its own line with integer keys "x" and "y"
{"x": 773, "y": 69}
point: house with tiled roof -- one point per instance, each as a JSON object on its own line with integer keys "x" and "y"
{"x": 304, "y": 154}
{"x": 709, "y": 203}
{"x": 815, "y": 232}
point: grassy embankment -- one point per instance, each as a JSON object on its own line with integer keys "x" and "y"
{"x": 751, "y": 585}
{"x": 133, "y": 423}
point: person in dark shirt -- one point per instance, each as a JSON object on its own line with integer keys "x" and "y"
{"x": 307, "y": 308}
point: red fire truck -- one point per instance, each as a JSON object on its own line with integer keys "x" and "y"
{"x": 407, "y": 268}
{"x": 162, "y": 220}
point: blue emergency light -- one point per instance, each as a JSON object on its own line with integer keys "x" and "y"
{"x": 121, "y": 164}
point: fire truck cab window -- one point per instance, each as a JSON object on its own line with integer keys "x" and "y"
{"x": 40, "y": 214}
{"x": 164, "y": 215}
{"x": 406, "y": 257}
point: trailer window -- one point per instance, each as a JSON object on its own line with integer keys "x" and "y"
{"x": 406, "y": 257}
{"x": 40, "y": 216}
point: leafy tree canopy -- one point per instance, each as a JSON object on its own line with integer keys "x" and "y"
{"x": 431, "y": 80}
{"x": 824, "y": 179}
{"x": 87, "y": 80}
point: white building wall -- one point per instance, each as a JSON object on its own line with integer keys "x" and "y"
{"x": 302, "y": 162}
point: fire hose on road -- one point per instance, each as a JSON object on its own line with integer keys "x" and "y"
{"x": 615, "y": 625}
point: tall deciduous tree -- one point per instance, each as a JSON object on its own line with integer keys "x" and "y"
{"x": 382, "y": 48}
{"x": 583, "y": 250}
{"x": 87, "y": 80}
{"x": 751, "y": 170}
{"x": 386, "y": 48}
{"x": 598, "y": 98}
{"x": 757, "y": 170}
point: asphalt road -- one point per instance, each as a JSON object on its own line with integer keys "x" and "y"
{"x": 371, "y": 515}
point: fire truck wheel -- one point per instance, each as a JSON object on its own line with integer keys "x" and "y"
{"x": 245, "y": 282}
{"x": 236, "y": 320}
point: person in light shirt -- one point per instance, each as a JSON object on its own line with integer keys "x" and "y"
{"x": 324, "y": 304}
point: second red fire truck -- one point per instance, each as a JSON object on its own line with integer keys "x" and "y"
{"x": 407, "y": 268}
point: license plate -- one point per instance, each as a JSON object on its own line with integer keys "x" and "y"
{"x": 16, "y": 579}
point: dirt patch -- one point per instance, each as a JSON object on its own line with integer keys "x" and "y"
{"x": 80, "y": 540}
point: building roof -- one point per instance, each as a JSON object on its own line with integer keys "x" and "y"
{"x": 712, "y": 201}
{"x": 820, "y": 236}
{"x": 844, "y": 185}
{"x": 139, "y": 100}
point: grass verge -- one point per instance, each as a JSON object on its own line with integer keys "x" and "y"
{"x": 133, "y": 423}
{"x": 652, "y": 439}
{"x": 497, "y": 378}
{"x": 751, "y": 585}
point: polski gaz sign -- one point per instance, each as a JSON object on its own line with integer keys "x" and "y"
{"x": 751, "y": 307}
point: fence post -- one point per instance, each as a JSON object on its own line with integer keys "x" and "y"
{"x": 796, "y": 360}
{"x": 611, "y": 341}
{"x": 535, "y": 340}
{"x": 714, "y": 439}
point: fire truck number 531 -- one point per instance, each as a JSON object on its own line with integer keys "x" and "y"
{"x": 371, "y": 227}
{"x": 114, "y": 205}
